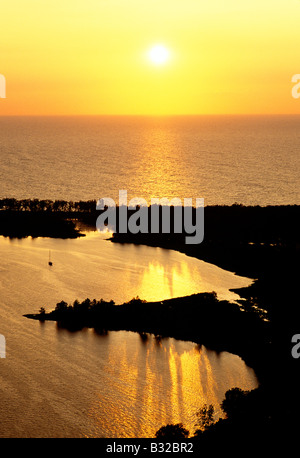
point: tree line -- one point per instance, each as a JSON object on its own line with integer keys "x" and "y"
{"x": 187, "y": 318}
{"x": 248, "y": 415}
{"x": 46, "y": 205}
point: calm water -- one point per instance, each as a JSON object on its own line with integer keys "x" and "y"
{"x": 224, "y": 159}
{"x": 54, "y": 383}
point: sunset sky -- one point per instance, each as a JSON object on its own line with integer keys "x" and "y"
{"x": 92, "y": 56}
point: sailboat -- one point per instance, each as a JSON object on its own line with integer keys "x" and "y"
{"x": 50, "y": 262}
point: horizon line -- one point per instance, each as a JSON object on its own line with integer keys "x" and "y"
{"x": 147, "y": 115}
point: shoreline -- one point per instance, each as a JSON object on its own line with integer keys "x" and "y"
{"x": 256, "y": 242}
{"x": 199, "y": 318}
{"x": 22, "y": 224}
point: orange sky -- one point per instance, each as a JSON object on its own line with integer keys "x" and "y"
{"x": 91, "y": 56}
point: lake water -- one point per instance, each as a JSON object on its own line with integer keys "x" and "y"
{"x": 54, "y": 383}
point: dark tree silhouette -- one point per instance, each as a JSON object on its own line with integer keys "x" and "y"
{"x": 172, "y": 432}
{"x": 205, "y": 418}
{"x": 235, "y": 403}
{"x": 61, "y": 306}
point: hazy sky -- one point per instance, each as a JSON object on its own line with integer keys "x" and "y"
{"x": 91, "y": 56}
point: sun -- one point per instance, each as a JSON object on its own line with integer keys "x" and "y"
{"x": 159, "y": 55}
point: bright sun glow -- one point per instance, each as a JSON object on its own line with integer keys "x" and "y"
{"x": 149, "y": 57}
{"x": 159, "y": 55}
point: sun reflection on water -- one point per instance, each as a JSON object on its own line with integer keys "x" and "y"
{"x": 160, "y": 381}
{"x": 166, "y": 281}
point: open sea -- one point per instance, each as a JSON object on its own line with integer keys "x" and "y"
{"x": 252, "y": 160}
